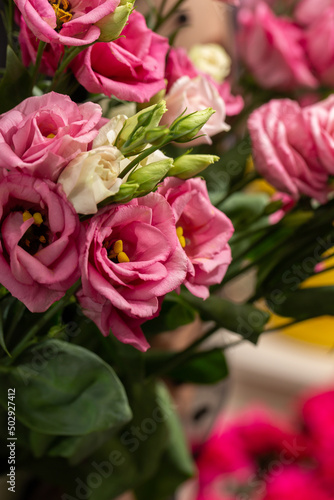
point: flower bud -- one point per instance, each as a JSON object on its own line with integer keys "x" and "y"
{"x": 187, "y": 166}
{"x": 156, "y": 135}
{"x": 131, "y": 139}
{"x": 187, "y": 127}
{"x": 111, "y": 26}
{"x": 126, "y": 192}
{"x": 149, "y": 176}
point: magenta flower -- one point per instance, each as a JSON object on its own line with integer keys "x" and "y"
{"x": 41, "y": 241}
{"x": 132, "y": 257}
{"x": 273, "y": 50}
{"x": 68, "y": 23}
{"x": 43, "y": 134}
{"x": 203, "y": 232}
{"x": 295, "y": 484}
{"x": 130, "y": 68}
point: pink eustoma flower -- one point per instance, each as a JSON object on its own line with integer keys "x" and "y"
{"x": 131, "y": 259}
{"x": 285, "y": 149}
{"x": 43, "y": 134}
{"x": 130, "y": 68}
{"x": 293, "y": 483}
{"x": 40, "y": 241}
{"x": 68, "y": 23}
{"x": 204, "y": 233}
{"x": 179, "y": 65}
{"x": 272, "y": 48}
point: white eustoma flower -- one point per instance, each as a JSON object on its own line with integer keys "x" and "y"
{"x": 211, "y": 59}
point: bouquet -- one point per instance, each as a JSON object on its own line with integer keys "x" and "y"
{"x": 134, "y": 185}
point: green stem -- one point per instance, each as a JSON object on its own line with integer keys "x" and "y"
{"x": 162, "y": 19}
{"x": 72, "y": 53}
{"x": 39, "y": 56}
{"x": 137, "y": 160}
{"x": 20, "y": 347}
{"x": 183, "y": 356}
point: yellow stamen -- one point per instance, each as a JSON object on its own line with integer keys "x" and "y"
{"x": 51, "y": 136}
{"x": 182, "y": 240}
{"x": 26, "y": 216}
{"x": 122, "y": 257}
{"x": 38, "y": 218}
{"x": 61, "y": 8}
{"x": 118, "y": 247}
{"x": 179, "y": 231}
{"x": 27, "y": 242}
{"x": 42, "y": 239}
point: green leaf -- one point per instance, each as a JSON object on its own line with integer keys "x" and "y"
{"x": 244, "y": 208}
{"x": 175, "y": 312}
{"x": 63, "y": 389}
{"x": 15, "y": 86}
{"x": 305, "y": 303}
{"x": 176, "y": 464}
{"x": 244, "y": 319}
{"x": 205, "y": 367}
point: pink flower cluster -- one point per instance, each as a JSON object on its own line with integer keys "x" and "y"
{"x": 128, "y": 256}
{"x": 294, "y": 146}
{"x": 131, "y": 68}
{"x": 288, "y": 53}
{"x": 260, "y": 457}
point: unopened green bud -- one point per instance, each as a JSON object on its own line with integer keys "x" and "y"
{"x": 149, "y": 176}
{"x": 156, "y": 135}
{"x": 131, "y": 139}
{"x": 111, "y": 26}
{"x": 126, "y": 192}
{"x": 187, "y": 166}
{"x": 187, "y": 127}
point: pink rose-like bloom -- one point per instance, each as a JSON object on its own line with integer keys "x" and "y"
{"x": 79, "y": 29}
{"x": 284, "y": 149}
{"x": 39, "y": 259}
{"x": 43, "y": 134}
{"x": 179, "y": 65}
{"x": 194, "y": 95}
{"x": 131, "y": 68}
{"x": 272, "y": 49}
{"x": 319, "y": 45}
{"x": 307, "y": 11}
{"x": 206, "y": 231}
{"x": 119, "y": 296}
{"x": 294, "y": 483}
{"x": 29, "y": 46}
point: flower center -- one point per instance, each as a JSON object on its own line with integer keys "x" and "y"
{"x": 62, "y": 10}
{"x": 36, "y": 237}
{"x": 117, "y": 254}
{"x": 182, "y": 240}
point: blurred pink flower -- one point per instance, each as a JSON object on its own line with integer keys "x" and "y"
{"x": 74, "y": 25}
{"x": 122, "y": 291}
{"x": 319, "y": 45}
{"x": 307, "y": 11}
{"x": 130, "y": 68}
{"x": 295, "y": 484}
{"x": 43, "y": 134}
{"x": 285, "y": 150}
{"x": 272, "y": 48}
{"x": 205, "y": 229}
{"x": 40, "y": 243}
{"x": 179, "y": 65}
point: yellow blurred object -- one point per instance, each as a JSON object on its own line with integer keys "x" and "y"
{"x": 320, "y": 330}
